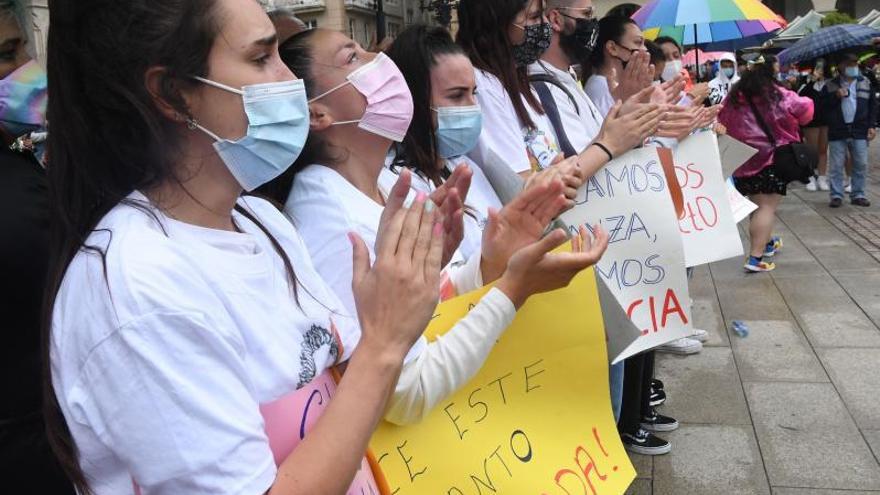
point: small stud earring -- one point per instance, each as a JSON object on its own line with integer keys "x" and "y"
{"x": 192, "y": 123}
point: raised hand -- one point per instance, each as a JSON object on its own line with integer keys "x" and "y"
{"x": 534, "y": 269}
{"x": 620, "y": 133}
{"x": 520, "y": 223}
{"x": 396, "y": 296}
{"x": 449, "y": 198}
{"x": 637, "y": 75}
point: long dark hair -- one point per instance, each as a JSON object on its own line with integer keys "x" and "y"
{"x": 611, "y": 28}
{"x": 758, "y": 84}
{"x": 482, "y": 32}
{"x": 109, "y": 138}
{"x": 415, "y": 52}
{"x": 296, "y": 53}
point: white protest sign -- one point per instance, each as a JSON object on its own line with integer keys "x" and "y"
{"x": 740, "y": 205}
{"x": 644, "y": 265}
{"x": 733, "y": 153}
{"x": 708, "y": 228}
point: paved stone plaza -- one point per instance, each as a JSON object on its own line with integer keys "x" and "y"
{"x": 794, "y": 408}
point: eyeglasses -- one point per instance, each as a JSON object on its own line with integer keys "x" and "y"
{"x": 588, "y": 12}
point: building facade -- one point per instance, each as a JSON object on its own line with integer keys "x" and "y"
{"x": 357, "y": 18}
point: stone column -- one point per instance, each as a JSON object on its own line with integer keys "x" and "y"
{"x": 36, "y": 20}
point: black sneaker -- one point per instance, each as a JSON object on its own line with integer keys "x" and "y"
{"x": 658, "y": 397}
{"x": 657, "y": 384}
{"x": 659, "y": 422}
{"x": 864, "y": 202}
{"x": 645, "y": 443}
{"x": 835, "y": 203}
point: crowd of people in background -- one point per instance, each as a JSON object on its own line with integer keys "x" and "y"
{"x": 249, "y": 207}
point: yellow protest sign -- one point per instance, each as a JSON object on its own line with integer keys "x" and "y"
{"x": 536, "y": 419}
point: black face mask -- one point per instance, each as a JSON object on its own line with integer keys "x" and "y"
{"x": 632, "y": 51}
{"x": 581, "y": 42}
{"x": 536, "y": 43}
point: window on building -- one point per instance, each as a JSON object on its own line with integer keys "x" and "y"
{"x": 393, "y": 29}
{"x": 351, "y": 31}
{"x": 311, "y": 23}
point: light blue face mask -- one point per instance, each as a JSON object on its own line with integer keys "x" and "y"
{"x": 852, "y": 72}
{"x": 278, "y": 124}
{"x": 728, "y": 72}
{"x": 458, "y": 129}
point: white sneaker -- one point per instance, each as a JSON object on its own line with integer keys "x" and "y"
{"x": 847, "y": 187}
{"x": 822, "y": 181}
{"x": 700, "y": 335}
{"x": 683, "y": 345}
{"x": 812, "y": 186}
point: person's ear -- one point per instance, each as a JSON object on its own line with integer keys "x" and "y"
{"x": 320, "y": 117}
{"x": 163, "y": 90}
{"x": 557, "y": 20}
{"x": 611, "y": 47}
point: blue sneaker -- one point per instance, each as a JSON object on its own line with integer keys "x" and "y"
{"x": 773, "y": 247}
{"x": 755, "y": 265}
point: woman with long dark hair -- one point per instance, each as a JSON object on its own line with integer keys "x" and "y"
{"x": 362, "y": 105}
{"x": 502, "y": 38}
{"x": 446, "y": 124}
{"x": 758, "y": 98}
{"x": 182, "y": 316}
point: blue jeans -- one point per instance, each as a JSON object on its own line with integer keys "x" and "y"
{"x": 836, "y": 161}
{"x": 616, "y": 376}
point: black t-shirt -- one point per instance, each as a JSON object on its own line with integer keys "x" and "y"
{"x": 24, "y": 238}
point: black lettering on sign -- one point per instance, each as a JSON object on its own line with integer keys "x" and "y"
{"x": 406, "y": 461}
{"x": 529, "y": 388}
{"x": 524, "y": 457}
{"x": 478, "y": 403}
{"x": 501, "y": 460}
{"x": 457, "y": 491}
{"x": 488, "y": 482}
{"x": 501, "y": 386}
{"x": 455, "y": 421}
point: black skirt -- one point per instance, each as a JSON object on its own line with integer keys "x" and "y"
{"x": 765, "y": 182}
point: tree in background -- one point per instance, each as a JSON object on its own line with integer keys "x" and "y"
{"x": 834, "y": 18}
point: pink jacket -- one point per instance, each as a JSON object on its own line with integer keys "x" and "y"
{"x": 784, "y": 117}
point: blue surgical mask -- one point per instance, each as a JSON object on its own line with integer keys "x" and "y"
{"x": 458, "y": 129}
{"x": 728, "y": 72}
{"x": 852, "y": 72}
{"x": 278, "y": 124}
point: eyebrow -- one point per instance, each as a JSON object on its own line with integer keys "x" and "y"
{"x": 458, "y": 88}
{"x": 267, "y": 41}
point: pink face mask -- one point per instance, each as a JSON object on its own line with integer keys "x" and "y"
{"x": 389, "y": 101}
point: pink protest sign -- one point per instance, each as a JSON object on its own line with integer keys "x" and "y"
{"x": 290, "y": 418}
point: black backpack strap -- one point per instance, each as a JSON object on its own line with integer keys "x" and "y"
{"x": 762, "y": 123}
{"x": 552, "y": 112}
{"x": 549, "y": 79}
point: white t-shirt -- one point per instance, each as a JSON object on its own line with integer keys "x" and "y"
{"x": 519, "y": 147}
{"x": 480, "y": 198}
{"x": 161, "y": 367}
{"x": 598, "y": 91}
{"x": 582, "y": 123}
{"x": 325, "y": 207}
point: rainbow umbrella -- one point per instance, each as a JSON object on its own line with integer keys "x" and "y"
{"x": 710, "y": 24}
